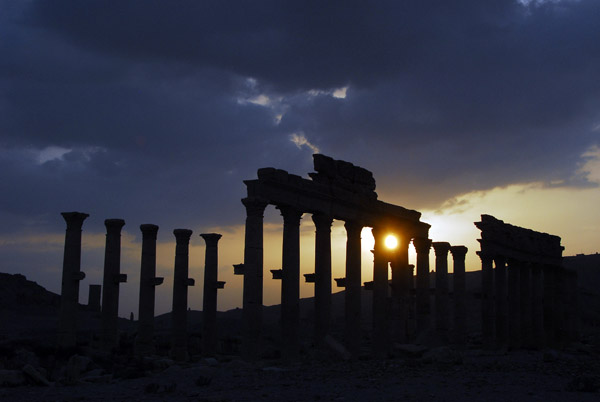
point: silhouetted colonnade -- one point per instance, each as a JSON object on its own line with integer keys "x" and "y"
{"x": 144, "y": 342}
{"x": 342, "y": 191}
{"x": 528, "y": 300}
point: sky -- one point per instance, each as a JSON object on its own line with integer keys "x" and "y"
{"x": 156, "y": 111}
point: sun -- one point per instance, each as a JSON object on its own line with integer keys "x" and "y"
{"x": 391, "y": 242}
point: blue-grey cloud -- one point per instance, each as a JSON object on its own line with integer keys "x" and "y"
{"x": 158, "y": 112}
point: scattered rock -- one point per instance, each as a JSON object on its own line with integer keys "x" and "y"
{"x": 409, "y": 350}
{"x": 210, "y": 361}
{"x": 35, "y": 375}
{"x": 76, "y": 366}
{"x": 203, "y": 381}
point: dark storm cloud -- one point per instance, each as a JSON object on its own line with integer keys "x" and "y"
{"x": 152, "y": 100}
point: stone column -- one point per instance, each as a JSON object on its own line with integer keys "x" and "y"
{"x": 380, "y": 295}
{"x": 549, "y": 305}
{"x": 501, "y": 301}
{"x": 401, "y": 287}
{"x": 422, "y": 246}
{"x": 110, "y": 283}
{"x": 514, "y": 305}
{"x": 290, "y": 284}
{"x": 525, "y": 305}
{"x": 441, "y": 250}
{"x": 460, "y": 315}
{"x": 353, "y": 287}
{"x": 560, "y": 306}
{"x": 209, "y": 300}
{"x": 180, "y": 295}
{"x": 144, "y": 342}
{"x": 537, "y": 306}
{"x": 322, "y": 276}
{"x": 71, "y": 275}
{"x": 94, "y": 296}
{"x": 573, "y": 310}
{"x": 487, "y": 295}
{"x": 253, "y": 278}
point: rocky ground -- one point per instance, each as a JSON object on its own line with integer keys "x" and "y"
{"x": 32, "y": 370}
{"x": 416, "y": 374}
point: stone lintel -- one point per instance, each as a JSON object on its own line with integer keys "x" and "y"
{"x": 314, "y": 198}
{"x": 495, "y": 250}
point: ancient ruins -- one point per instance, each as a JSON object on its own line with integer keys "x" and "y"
{"x": 528, "y": 300}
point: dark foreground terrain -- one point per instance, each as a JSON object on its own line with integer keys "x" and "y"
{"x": 32, "y": 370}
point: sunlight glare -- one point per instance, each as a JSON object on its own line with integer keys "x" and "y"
{"x": 391, "y": 242}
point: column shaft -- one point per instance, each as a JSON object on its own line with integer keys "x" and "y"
{"x": 501, "y": 301}
{"x": 401, "y": 287}
{"x": 144, "y": 342}
{"x": 423, "y": 246}
{"x": 460, "y": 317}
{"x": 487, "y": 302}
{"x": 179, "y": 350}
{"x": 380, "y": 295}
{"x": 71, "y": 275}
{"x": 209, "y": 299}
{"x": 441, "y": 289}
{"x": 353, "y": 287}
{"x": 110, "y": 283}
{"x": 290, "y": 285}
{"x": 322, "y": 276}
{"x": 537, "y": 306}
{"x": 514, "y": 305}
{"x": 253, "y": 278}
{"x": 525, "y": 305}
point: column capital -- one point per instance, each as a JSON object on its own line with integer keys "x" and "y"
{"x": 291, "y": 215}
{"x": 441, "y": 248}
{"x": 422, "y": 245}
{"x": 499, "y": 260}
{"x": 149, "y": 231}
{"x": 114, "y": 225}
{"x": 485, "y": 256}
{"x": 182, "y": 235}
{"x": 353, "y": 227}
{"x": 459, "y": 251}
{"x": 322, "y": 221}
{"x": 211, "y": 239}
{"x": 74, "y": 219}
{"x": 255, "y": 206}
